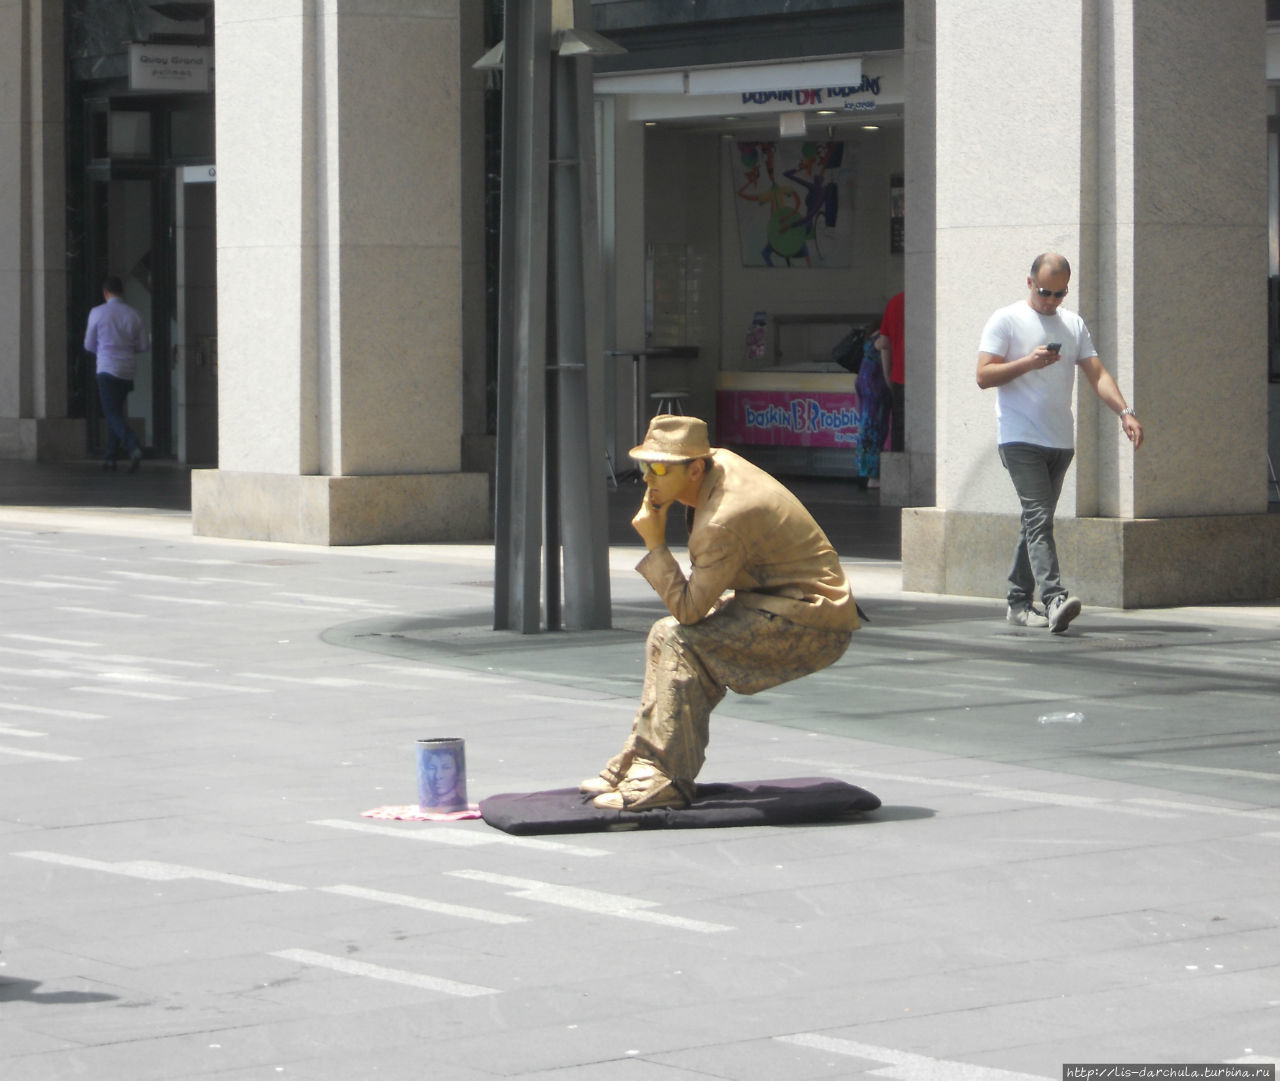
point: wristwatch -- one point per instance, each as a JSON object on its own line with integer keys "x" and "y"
{"x": 1128, "y": 412}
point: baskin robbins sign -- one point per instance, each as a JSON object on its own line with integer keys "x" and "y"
{"x": 842, "y": 87}
{"x": 861, "y": 97}
{"x": 779, "y": 418}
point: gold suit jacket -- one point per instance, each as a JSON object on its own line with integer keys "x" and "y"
{"x": 749, "y": 534}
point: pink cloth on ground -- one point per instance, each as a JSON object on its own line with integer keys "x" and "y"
{"x": 413, "y": 813}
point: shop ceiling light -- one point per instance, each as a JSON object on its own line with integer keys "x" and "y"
{"x": 492, "y": 60}
{"x": 791, "y": 125}
{"x": 569, "y": 41}
{"x": 575, "y": 42}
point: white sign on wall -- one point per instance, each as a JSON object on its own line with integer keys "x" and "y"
{"x": 170, "y": 68}
{"x": 656, "y": 96}
{"x": 198, "y": 174}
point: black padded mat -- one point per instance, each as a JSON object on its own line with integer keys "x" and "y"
{"x": 742, "y": 803}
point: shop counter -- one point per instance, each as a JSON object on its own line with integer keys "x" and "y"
{"x": 801, "y": 420}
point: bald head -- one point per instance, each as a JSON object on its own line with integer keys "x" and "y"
{"x": 1052, "y": 262}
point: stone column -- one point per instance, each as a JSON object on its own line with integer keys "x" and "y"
{"x": 339, "y": 276}
{"x": 907, "y": 479}
{"x": 1130, "y": 136}
{"x": 478, "y": 444}
{"x": 33, "y": 280}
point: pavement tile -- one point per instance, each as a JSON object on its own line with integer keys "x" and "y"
{"x": 53, "y": 969}
{"x": 22, "y": 1043}
{"x": 1253, "y": 1040}
{"x": 593, "y": 1044}
{"x": 391, "y": 1065}
{"x": 282, "y": 1049}
{"x": 626, "y": 1069}
{"x": 1086, "y": 1021}
{"x": 767, "y": 1060}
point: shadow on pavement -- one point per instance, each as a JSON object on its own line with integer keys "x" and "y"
{"x": 903, "y": 813}
{"x": 83, "y": 485}
{"x": 25, "y": 991}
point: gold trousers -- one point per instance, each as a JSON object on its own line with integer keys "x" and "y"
{"x": 688, "y": 670}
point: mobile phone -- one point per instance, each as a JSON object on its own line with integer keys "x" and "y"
{"x": 1054, "y": 347}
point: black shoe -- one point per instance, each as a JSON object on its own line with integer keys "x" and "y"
{"x": 135, "y": 459}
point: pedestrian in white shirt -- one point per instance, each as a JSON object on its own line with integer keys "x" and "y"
{"x": 1029, "y": 352}
{"x": 115, "y": 335}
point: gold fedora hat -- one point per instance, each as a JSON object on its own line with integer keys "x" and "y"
{"x": 673, "y": 438}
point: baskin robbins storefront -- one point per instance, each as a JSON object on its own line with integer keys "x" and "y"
{"x": 779, "y": 419}
{"x": 771, "y": 240}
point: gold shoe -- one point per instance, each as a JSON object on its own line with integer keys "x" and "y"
{"x": 597, "y": 786}
{"x": 667, "y": 795}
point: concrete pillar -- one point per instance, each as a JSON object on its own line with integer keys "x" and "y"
{"x": 1130, "y": 136}
{"x": 339, "y": 277}
{"x": 478, "y": 443}
{"x": 907, "y": 478}
{"x": 33, "y": 280}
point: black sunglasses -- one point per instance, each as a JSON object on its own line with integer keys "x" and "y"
{"x": 1059, "y": 293}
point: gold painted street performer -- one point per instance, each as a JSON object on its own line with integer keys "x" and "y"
{"x": 766, "y": 602}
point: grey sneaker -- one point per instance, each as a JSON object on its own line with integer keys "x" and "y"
{"x": 1062, "y": 610}
{"x": 1026, "y": 617}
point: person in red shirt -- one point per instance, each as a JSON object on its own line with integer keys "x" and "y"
{"x": 891, "y": 342}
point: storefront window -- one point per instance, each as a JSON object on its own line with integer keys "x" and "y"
{"x": 191, "y": 135}
{"x": 129, "y": 135}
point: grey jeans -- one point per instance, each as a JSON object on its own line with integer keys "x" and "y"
{"x": 688, "y": 669}
{"x": 1037, "y": 474}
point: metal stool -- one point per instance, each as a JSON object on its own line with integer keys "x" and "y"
{"x": 668, "y": 401}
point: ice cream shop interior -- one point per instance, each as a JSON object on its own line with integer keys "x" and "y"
{"x": 752, "y": 221}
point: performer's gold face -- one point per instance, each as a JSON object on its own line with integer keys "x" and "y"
{"x": 673, "y": 482}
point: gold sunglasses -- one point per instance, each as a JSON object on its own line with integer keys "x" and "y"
{"x": 659, "y": 469}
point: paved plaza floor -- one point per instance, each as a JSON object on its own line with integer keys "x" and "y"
{"x": 190, "y": 730}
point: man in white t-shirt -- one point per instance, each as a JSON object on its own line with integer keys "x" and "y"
{"x": 1029, "y": 352}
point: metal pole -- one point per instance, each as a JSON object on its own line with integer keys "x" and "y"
{"x": 522, "y": 315}
{"x": 550, "y": 342}
{"x": 552, "y": 538}
{"x": 580, "y": 351}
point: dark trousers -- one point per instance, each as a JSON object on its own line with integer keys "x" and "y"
{"x": 1037, "y": 474}
{"x": 113, "y": 392}
{"x": 898, "y": 426}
